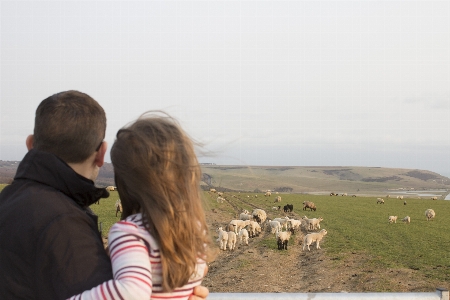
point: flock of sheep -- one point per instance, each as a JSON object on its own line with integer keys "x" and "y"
{"x": 250, "y": 225}
{"x": 429, "y": 213}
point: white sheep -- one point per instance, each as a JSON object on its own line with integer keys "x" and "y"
{"x": 312, "y": 224}
{"x": 276, "y": 207}
{"x": 283, "y": 221}
{"x": 406, "y": 219}
{"x": 267, "y": 194}
{"x": 313, "y": 237}
{"x": 238, "y": 224}
{"x": 212, "y": 190}
{"x": 254, "y": 229}
{"x": 294, "y": 224}
{"x": 223, "y": 238}
{"x": 434, "y": 198}
{"x": 231, "y": 240}
{"x": 392, "y": 219}
{"x": 283, "y": 239}
{"x": 245, "y": 217}
{"x": 244, "y": 211}
{"x": 110, "y": 188}
{"x": 274, "y": 226}
{"x": 220, "y": 199}
{"x": 430, "y": 214}
{"x": 243, "y": 236}
{"x": 219, "y": 194}
{"x": 277, "y": 199}
{"x": 380, "y": 201}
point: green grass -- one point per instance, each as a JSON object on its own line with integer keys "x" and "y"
{"x": 359, "y": 225}
{"x": 106, "y": 212}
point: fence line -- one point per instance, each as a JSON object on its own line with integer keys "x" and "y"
{"x": 439, "y": 294}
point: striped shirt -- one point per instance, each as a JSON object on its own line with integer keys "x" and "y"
{"x": 136, "y": 264}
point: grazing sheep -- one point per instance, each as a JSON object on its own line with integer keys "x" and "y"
{"x": 220, "y": 199}
{"x": 353, "y": 195}
{"x": 244, "y": 211}
{"x": 407, "y": 219}
{"x": 313, "y": 237}
{"x": 223, "y": 238}
{"x": 310, "y": 205}
{"x": 276, "y": 207}
{"x": 400, "y": 197}
{"x": 388, "y": 196}
{"x": 392, "y": 219}
{"x": 430, "y": 214}
{"x": 277, "y": 199}
{"x": 243, "y": 236}
{"x": 231, "y": 240}
{"x": 274, "y": 226}
{"x": 254, "y": 229}
{"x": 110, "y": 188}
{"x": 259, "y": 215}
{"x": 434, "y": 198}
{"x": 380, "y": 201}
{"x": 212, "y": 190}
{"x": 267, "y": 194}
{"x": 344, "y": 194}
{"x": 119, "y": 207}
{"x": 283, "y": 239}
{"x": 332, "y": 194}
{"x": 288, "y": 208}
{"x": 404, "y": 202}
{"x": 219, "y": 194}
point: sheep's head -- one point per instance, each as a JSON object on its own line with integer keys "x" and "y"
{"x": 323, "y": 232}
{"x": 219, "y": 229}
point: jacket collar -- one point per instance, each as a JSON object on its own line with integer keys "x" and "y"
{"x": 46, "y": 168}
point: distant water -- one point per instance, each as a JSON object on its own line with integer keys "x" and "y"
{"x": 427, "y": 193}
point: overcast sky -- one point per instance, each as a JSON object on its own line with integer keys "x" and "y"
{"x": 302, "y": 83}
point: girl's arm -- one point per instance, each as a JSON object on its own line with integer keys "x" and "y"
{"x": 131, "y": 268}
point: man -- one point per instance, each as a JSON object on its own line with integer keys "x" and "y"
{"x": 50, "y": 244}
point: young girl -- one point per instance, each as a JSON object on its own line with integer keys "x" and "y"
{"x": 159, "y": 248}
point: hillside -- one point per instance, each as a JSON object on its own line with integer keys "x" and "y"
{"x": 305, "y": 179}
{"x": 351, "y": 180}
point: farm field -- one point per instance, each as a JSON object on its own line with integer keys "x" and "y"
{"x": 361, "y": 252}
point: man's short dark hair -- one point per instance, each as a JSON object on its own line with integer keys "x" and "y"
{"x": 70, "y": 125}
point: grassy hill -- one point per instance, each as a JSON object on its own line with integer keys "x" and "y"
{"x": 318, "y": 179}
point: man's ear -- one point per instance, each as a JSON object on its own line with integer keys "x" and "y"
{"x": 100, "y": 156}
{"x": 29, "y": 142}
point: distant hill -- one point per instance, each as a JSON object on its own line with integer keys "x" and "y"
{"x": 305, "y": 179}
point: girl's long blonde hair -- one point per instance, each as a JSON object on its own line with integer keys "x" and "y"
{"x": 157, "y": 174}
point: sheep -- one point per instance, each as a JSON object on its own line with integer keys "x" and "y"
{"x": 344, "y": 194}
{"x": 220, "y": 199}
{"x": 380, "y": 201}
{"x": 283, "y": 221}
{"x": 259, "y": 215}
{"x": 238, "y": 224}
{"x": 276, "y": 207}
{"x": 119, "y": 207}
{"x": 388, "y": 196}
{"x": 243, "y": 236}
{"x": 294, "y": 224}
{"x": 310, "y": 205}
{"x": 267, "y": 194}
{"x": 283, "y": 239}
{"x": 110, "y": 188}
{"x": 274, "y": 226}
{"x": 244, "y": 211}
{"x": 392, "y": 219}
{"x": 332, "y": 194}
{"x": 219, "y": 194}
{"x": 434, "y": 198}
{"x": 314, "y": 223}
{"x": 313, "y": 237}
{"x": 430, "y": 214}
{"x": 400, "y": 197}
{"x": 277, "y": 199}
{"x": 254, "y": 229}
{"x": 404, "y": 202}
{"x": 212, "y": 190}
{"x": 288, "y": 208}
{"x": 223, "y": 238}
{"x": 231, "y": 240}
{"x": 245, "y": 217}
{"x": 406, "y": 219}
{"x": 353, "y": 195}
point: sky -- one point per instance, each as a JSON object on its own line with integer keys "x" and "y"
{"x": 272, "y": 83}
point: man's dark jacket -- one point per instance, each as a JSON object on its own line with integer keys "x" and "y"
{"x": 50, "y": 246}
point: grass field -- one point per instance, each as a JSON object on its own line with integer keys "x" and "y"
{"x": 359, "y": 225}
